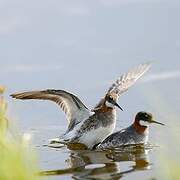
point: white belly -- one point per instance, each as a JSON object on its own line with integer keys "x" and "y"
{"x": 96, "y": 136}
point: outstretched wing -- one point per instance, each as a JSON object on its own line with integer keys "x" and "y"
{"x": 125, "y": 81}
{"x": 74, "y": 109}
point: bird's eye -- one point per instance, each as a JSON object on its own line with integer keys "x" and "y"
{"x": 110, "y": 98}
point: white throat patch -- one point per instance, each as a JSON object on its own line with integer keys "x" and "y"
{"x": 108, "y": 104}
{"x": 144, "y": 123}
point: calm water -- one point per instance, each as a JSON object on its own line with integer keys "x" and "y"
{"x": 45, "y": 121}
{"x": 81, "y": 46}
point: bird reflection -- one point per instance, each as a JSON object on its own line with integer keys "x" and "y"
{"x": 86, "y": 164}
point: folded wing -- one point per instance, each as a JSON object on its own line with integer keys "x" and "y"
{"x": 74, "y": 109}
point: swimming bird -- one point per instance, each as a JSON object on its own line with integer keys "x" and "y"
{"x": 137, "y": 133}
{"x": 86, "y": 126}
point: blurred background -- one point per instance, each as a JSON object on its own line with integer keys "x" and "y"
{"x": 82, "y": 46}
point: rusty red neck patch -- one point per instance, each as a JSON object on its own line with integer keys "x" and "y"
{"x": 138, "y": 127}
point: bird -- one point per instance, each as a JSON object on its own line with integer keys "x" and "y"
{"x": 89, "y": 126}
{"x": 137, "y": 133}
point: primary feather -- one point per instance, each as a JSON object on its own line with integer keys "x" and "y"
{"x": 128, "y": 79}
{"x": 72, "y": 106}
{"x": 125, "y": 81}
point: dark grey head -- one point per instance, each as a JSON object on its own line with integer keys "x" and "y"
{"x": 146, "y": 117}
{"x": 111, "y": 101}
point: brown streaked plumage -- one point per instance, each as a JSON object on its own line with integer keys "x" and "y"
{"x": 88, "y": 126}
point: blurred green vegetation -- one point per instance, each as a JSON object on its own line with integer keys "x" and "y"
{"x": 168, "y": 137}
{"x": 18, "y": 161}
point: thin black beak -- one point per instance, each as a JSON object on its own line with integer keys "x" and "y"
{"x": 116, "y": 104}
{"x": 152, "y": 121}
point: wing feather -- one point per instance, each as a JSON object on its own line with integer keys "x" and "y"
{"x": 125, "y": 81}
{"x": 72, "y": 106}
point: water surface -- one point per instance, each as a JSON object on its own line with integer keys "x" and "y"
{"x": 81, "y": 47}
